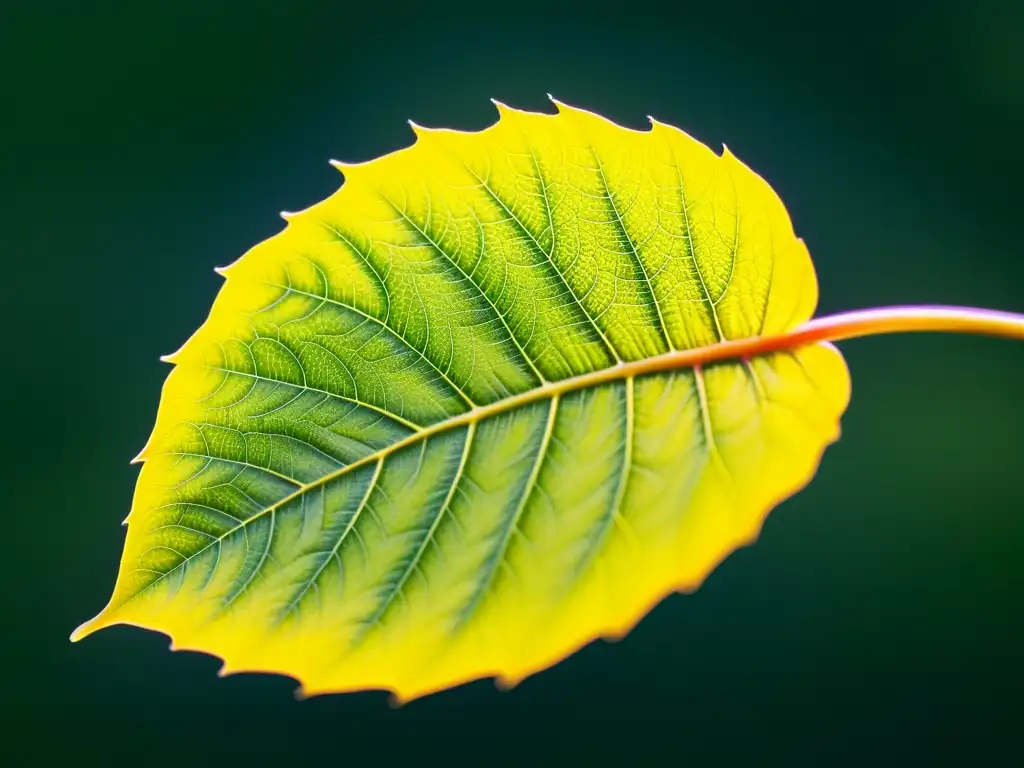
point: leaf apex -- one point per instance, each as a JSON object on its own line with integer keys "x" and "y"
{"x": 86, "y": 628}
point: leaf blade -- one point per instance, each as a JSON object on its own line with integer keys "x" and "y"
{"x": 559, "y": 327}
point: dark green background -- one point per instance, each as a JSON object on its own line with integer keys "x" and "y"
{"x": 879, "y": 615}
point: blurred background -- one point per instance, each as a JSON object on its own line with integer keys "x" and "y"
{"x": 880, "y": 614}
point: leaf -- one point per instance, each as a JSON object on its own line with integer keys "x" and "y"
{"x": 494, "y": 398}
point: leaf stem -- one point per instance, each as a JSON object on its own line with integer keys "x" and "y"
{"x": 871, "y": 322}
{"x": 846, "y": 325}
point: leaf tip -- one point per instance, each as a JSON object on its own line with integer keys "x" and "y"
{"x": 86, "y": 628}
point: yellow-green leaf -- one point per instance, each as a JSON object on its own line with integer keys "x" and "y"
{"x": 493, "y": 399}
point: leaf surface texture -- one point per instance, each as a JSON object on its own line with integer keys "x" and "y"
{"x": 415, "y": 444}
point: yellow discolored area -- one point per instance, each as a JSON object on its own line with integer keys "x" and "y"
{"x": 433, "y": 430}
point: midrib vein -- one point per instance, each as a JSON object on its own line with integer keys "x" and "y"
{"x": 668, "y": 361}
{"x": 834, "y": 328}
